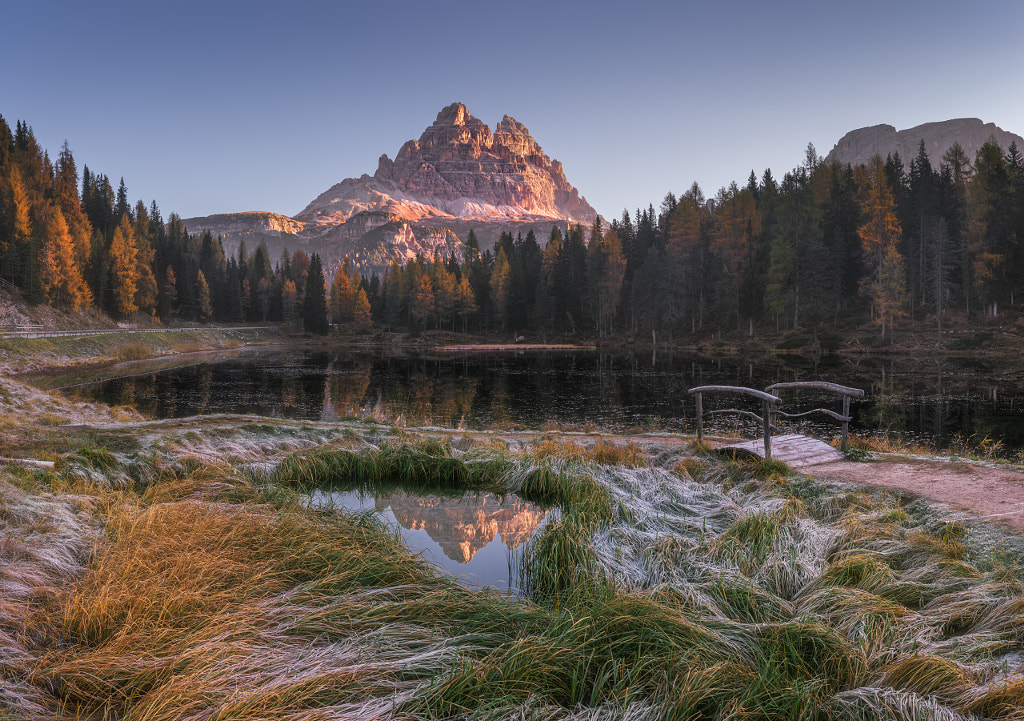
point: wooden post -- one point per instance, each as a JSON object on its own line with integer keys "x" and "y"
{"x": 767, "y": 420}
{"x": 846, "y": 423}
{"x": 700, "y": 419}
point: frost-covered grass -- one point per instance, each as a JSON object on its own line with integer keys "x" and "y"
{"x": 669, "y": 586}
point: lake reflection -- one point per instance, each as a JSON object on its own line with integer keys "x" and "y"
{"x": 930, "y": 401}
{"x": 472, "y": 537}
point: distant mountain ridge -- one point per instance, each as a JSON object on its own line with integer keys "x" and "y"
{"x": 457, "y": 176}
{"x": 858, "y": 146}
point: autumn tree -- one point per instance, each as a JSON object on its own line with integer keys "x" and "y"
{"x": 59, "y": 271}
{"x": 421, "y": 301}
{"x": 289, "y": 301}
{"x": 889, "y": 290}
{"x": 204, "y": 306}
{"x": 880, "y": 235}
{"x": 343, "y": 292}
{"x": 500, "y": 287}
{"x": 122, "y": 262}
{"x": 361, "y": 316}
{"x": 465, "y": 301}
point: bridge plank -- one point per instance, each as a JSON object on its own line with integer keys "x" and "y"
{"x": 794, "y": 450}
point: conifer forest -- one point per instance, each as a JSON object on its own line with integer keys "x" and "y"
{"x": 825, "y": 245}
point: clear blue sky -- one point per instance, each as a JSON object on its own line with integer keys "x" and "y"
{"x": 212, "y": 107}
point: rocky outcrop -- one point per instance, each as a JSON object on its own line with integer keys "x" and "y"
{"x": 858, "y": 146}
{"x": 458, "y": 176}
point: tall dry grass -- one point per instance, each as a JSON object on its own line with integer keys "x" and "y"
{"x": 196, "y": 609}
{"x": 671, "y": 590}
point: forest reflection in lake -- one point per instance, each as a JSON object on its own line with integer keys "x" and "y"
{"x": 935, "y": 401}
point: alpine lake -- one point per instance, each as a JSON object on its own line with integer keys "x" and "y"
{"x": 942, "y": 403}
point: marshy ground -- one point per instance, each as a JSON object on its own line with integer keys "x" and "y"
{"x": 173, "y": 570}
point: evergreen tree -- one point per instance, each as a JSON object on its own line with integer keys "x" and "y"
{"x": 314, "y": 303}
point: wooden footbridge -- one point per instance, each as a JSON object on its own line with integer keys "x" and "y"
{"x": 795, "y": 450}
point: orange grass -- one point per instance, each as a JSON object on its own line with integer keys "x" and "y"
{"x": 190, "y": 610}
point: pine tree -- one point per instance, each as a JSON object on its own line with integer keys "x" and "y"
{"x": 314, "y": 303}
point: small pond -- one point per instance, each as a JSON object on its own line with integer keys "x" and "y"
{"x": 476, "y": 537}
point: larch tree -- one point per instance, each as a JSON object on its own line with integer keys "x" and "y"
{"x": 343, "y": 292}
{"x": 21, "y": 224}
{"x": 66, "y": 193}
{"x": 361, "y": 316}
{"x": 889, "y": 291}
{"x": 421, "y": 301}
{"x": 465, "y": 303}
{"x": 500, "y": 287}
{"x": 289, "y": 301}
{"x": 59, "y": 271}
{"x": 204, "y": 305}
{"x": 122, "y": 264}
{"x": 880, "y": 235}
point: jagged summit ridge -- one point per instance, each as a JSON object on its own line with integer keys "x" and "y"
{"x": 858, "y": 146}
{"x": 456, "y": 177}
{"x": 459, "y": 169}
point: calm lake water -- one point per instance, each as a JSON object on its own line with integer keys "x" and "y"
{"x": 937, "y": 402}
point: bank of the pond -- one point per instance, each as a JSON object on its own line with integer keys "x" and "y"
{"x": 23, "y": 355}
{"x": 174, "y": 573}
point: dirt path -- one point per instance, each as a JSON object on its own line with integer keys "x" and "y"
{"x": 996, "y": 494}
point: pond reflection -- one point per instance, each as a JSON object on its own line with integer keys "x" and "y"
{"x": 472, "y": 537}
{"x": 931, "y": 401}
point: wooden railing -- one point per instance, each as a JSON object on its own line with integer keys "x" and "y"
{"x": 845, "y": 391}
{"x": 768, "y": 401}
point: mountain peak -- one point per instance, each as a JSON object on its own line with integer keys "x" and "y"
{"x": 458, "y": 169}
{"x": 454, "y": 114}
{"x": 858, "y": 146}
{"x": 456, "y": 177}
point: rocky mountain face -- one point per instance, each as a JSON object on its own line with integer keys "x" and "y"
{"x": 457, "y": 176}
{"x": 858, "y": 146}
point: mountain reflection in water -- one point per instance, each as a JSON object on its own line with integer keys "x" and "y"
{"x": 473, "y": 537}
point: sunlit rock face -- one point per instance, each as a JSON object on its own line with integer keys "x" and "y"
{"x": 459, "y": 169}
{"x": 463, "y": 526}
{"x": 458, "y": 176}
{"x": 858, "y": 146}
